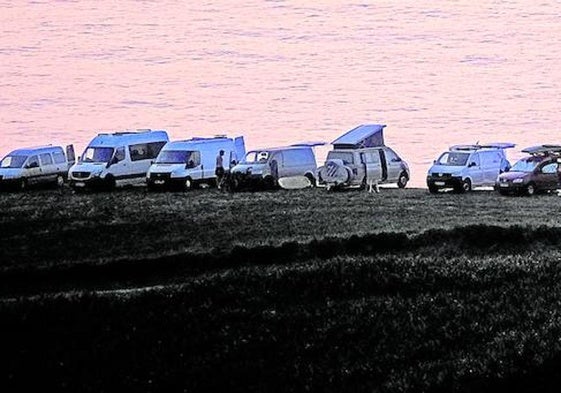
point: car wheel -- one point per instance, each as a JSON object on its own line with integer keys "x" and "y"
{"x": 466, "y": 185}
{"x": 402, "y": 181}
{"x": 312, "y": 180}
{"x": 110, "y": 183}
{"x": 530, "y": 189}
{"x": 188, "y": 184}
{"x": 433, "y": 189}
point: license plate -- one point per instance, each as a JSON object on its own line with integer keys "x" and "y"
{"x": 503, "y": 185}
{"x": 80, "y": 184}
{"x": 439, "y": 183}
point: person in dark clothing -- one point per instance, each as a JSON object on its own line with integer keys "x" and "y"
{"x": 219, "y": 171}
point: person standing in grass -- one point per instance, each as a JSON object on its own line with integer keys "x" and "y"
{"x": 219, "y": 171}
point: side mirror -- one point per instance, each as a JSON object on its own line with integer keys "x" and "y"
{"x": 472, "y": 164}
{"x": 32, "y": 165}
{"x": 434, "y": 161}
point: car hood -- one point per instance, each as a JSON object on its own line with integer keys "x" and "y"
{"x": 453, "y": 170}
{"x": 254, "y": 168}
{"x": 513, "y": 175}
{"x": 92, "y": 167}
{"x": 11, "y": 172}
{"x": 166, "y": 168}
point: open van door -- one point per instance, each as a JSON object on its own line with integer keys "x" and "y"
{"x": 239, "y": 146}
{"x": 70, "y": 155}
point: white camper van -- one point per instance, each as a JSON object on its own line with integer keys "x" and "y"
{"x": 35, "y": 166}
{"x": 360, "y": 157}
{"x": 117, "y": 158}
{"x": 266, "y": 166}
{"x": 186, "y": 164}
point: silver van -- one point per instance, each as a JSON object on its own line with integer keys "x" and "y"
{"x": 35, "y": 166}
{"x": 188, "y": 163}
{"x": 360, "y": 157}
{"x": 264, "y": 167}
{"x": 118, "y": 158}
{"x": 464, "y": 167}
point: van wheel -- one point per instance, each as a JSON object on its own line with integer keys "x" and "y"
{"x": 402, "y": 181}
{"x": 466, "y": 186}
{"x": 188, "y": 185}
{"x": 530, "y": 189}
{"x": 433, "y": 189}
{"x": 311, "y": 179}
{"x": 110, "y": 183}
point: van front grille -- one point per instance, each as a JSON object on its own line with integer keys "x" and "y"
{"x": 80, "y": 175}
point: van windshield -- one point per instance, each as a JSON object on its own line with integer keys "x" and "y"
{"x": 258, "y": 156}
{"x": 13, "y": 161}
{"x": 524, "y": 165}
{"x": 97, "y": 154}
{"x": 346, "y": 157}
{"x": 453, "y": 158}
{"x": 173, "y": 157}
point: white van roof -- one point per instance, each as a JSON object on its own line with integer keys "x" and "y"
{"x": 123, "y": 137}
{"x": 35, "y": 150}
{"x": 196, "y": 141}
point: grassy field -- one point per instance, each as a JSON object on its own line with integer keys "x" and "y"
{"x": 400, "y": 291}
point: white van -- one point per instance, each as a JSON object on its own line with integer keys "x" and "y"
{"x": 117, "y": 159}
{"x": 464, "y": 167}
{"x": 266, "y": 166}
{"x": 186, "y": 164}
{"x": 360, "y": 157}
{"x": 35, "y": 166}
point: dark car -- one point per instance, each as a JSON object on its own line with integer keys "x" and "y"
{"x": 539, "y": 172}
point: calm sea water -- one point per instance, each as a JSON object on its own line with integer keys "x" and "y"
{"x": 280, "y": 72}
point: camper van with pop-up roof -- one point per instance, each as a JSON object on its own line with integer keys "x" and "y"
{"x": 34, "y": 166}
{"x": 119, "y": 158}
{"x": 360, "y": 157}
{"x": 188, "y": 163}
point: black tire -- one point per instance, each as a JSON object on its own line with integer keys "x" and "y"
{"x": 433, "y": 189}
{"x": 188, "y": 184}
{"x": 402, "y": 180}
{"x": 464, "y": 186}
{"x": 269, "y": 182}
{"x": 110, "y": 183}
{"x": 530, "y": 189}
{"x": 312, "y": 180}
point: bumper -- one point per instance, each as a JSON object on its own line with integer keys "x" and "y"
{"x": 437, "y": 182}
{"x": 510, "y": 188}
{"x": 94, "y": 182}
{"x": 159, "y": 181}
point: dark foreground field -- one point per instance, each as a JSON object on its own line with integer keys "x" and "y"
{"x": 400, "y": 291}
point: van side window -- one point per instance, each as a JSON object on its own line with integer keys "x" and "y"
{"x": 46, "y": 159}
{"x": 550, "y": 168}
{"x": 474, "y": 160}
{"x": 154, "y": 149}
{"x": 58, "y": 157}
{"x": 372, "y": 157}
{"x": 33, "y": 162}
{"x": 195, "y": 159}
{"x": 391, "y": 156}
{"x": 120, "y": 154}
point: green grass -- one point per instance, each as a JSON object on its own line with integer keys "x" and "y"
{"x": 400, "y": 291}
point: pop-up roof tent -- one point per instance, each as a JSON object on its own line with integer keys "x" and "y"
{"x": 366, "y": 135}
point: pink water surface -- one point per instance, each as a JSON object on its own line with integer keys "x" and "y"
{"x": 280, "y": 72}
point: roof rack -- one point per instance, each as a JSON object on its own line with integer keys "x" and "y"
{"x": 543, "y": 150}
{"x": 477, "y": 146}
